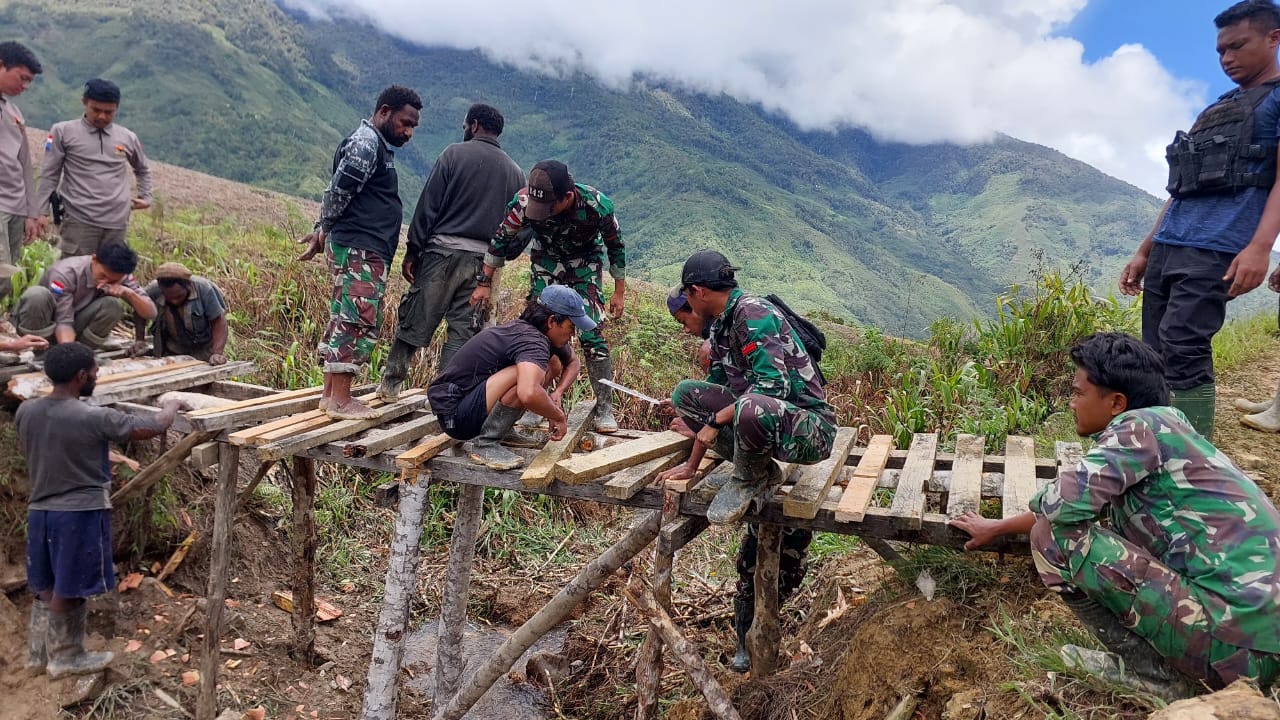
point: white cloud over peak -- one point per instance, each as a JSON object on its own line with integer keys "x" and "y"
{"x": 915, "y": 71}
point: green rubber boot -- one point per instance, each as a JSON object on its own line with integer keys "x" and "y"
{"x": 486, "y": 449}
{"x": 1197, "y": 404}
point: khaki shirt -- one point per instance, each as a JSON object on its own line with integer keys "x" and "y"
{"x": 90, "y": 169}
{"x": 73, "y": 288}
{"x": 17, "y": 192}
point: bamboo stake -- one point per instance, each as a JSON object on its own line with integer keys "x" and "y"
{"x": 551, "y": 614}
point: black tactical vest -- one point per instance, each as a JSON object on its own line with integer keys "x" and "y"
{"x": 1219, "y": 155}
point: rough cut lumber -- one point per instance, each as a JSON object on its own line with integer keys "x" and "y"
{"x": 541, "y": 470}
{"x": 457, "y": 589}
{"x": 268, "y": 411}
{"x": 248, "y": 435}
{"x": 325, "y": 612}
{"x": 592, "y": 466}
{"x": 302, "y": 541}
{"x": 908, "y": 500}
{"x": 814, "y": 481}
{"x": 704, "y": 468}
{"x": 27, "y": 385}
{"x": 148, "y": 387}
{"x": 379, "y": 441}
{"x": 393, "y": 620}
{"x": 965, "y": 494}
{"x": 114, "y": 378}
{"x": 204, "y": 455}
{"x": 628, "y": 482}
{"x": 162, "y": 465}
{"x": 680, "y": 532}
{"x": 862, "y": 484}
{"x": 313, "y": 392}
{"x": 1045, "y": 467}
{"x": 219, "y": 569}
{"x": 1019, "y": 475}
{"x": 178, "y": 556}
{"x": 552, "y": 614}
{"x": 339, "y": 430}
{"x": 415, "y": 457}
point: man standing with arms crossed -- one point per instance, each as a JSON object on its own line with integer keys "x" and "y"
{"x": 573, "y": 230}
{"x": 1213, "y": 239}
{"x": 464, "y": 199}
{"x": 19, "y": 222}
{"x": 86, "y": 162}
{"x": 359, "y": 230}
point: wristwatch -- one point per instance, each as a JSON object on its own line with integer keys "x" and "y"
{"x": 711, "y": 422}
{"x": 483, "y": 280}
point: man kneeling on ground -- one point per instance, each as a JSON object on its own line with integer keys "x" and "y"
{"x": 191, "y": 317}
{"x": 79, "y": 298}
{"x": 67, "y": 443}
{"x": 506, "y": 369}
{"x": 1184, "y": 577}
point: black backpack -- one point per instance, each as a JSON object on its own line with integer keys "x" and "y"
{"x": 811, "y": 336}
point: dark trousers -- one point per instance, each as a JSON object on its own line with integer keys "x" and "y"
{"x": 1184, "y": 304}
{"x": 441, "y": 291}
{"x": 791, "y": 565}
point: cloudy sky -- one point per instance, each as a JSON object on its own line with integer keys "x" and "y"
{"x": 1105, "y": 81}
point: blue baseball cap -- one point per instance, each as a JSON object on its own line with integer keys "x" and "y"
{"x": 564, "y": 300}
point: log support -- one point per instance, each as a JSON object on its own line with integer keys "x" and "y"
{"x": 765, "y": 633}
{"x": 219, "y": 569}
{"x": 302, "y": 541}
{"x": 457, "y": 589}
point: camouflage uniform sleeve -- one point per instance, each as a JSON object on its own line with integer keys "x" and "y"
{"x": 1126, "y": 454}
{"x": 509, "y": 242}
{"x": 355, "y": 167}
{"x": 762, "y": 350}
{"x": 611, "y": 234}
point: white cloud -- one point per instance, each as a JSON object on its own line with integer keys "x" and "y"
{"x": 908, "y": 70}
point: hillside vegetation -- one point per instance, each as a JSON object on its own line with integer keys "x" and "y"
{"x": 880, "y": 234}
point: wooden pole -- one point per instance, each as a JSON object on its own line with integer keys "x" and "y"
{"x": 718, "y": 701}
{"x": 649, "y": 661}
{"x": 457, "y": 588}
{"x": 765, "y": 634}
{"x": 162, "y": 466}
{"x": 393, "y": 621}
{"x": 219, "y": 568}
{"x": 302, "y": 540}
{"x": 552, "y": 614}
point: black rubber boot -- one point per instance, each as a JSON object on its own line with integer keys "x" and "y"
{"x": 67, "y": 655}
{"x": 486, "y": 449}
{"x": 1148, "y": 669}
{"x": 743, "y": 614}
{"x": 395, "y": 371}
{"x": 37, "y": 631}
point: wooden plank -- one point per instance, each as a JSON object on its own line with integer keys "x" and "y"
{"x": 541, "y": 470}
{"x": 1068, "y": 455}
{"x": 1019, "y": 475}
{"x": 965, "y": 494}
{"x": 1045, "y": 467}
{"x": 592, "y": 466}
{"x": 339, "y": 430}
{"x": 260, "y": 401}
{"x": 863, "y": 479}
{"x": 181, "y": 381}
{"x": 815, "y": 480}
{"x": 704, "y": 467}
{"x": 251, "y": 415}
{"x": 379, "y": 441}
{"x": 237, "y": 391}
{"x": 204, "y": 455}
{"x": 31, "y": 380}
{"x": 628, "y": 482}
{"x": 908, "y": 500}
{"x": 136, "y": 374}
{"x": 414, "y": 458}
{"x": 246, "y": 436}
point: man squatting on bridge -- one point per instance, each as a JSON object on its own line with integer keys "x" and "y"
{"x": 1183, "y": 582}
{"x": 359, "y": 230}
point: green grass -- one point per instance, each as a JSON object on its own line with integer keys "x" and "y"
{"x": 1242, "y": 341}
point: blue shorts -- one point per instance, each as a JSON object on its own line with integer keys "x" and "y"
{"x": 69, "y": 552}
{"x": 469, "y": 415}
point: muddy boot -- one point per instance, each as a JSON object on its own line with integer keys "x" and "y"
{"x": 1267, "y": 419}
{"x": 395, "y": 370}
{"x": 524, "y": 437}
{"x": 602, "y": 369}
{"x": 531, "y": 419}
{"x": 1197, "y": 404}
{"x": 743, "y": 614}
{"x": 486, "y": 449}
{"x": 752, "y": 473}
{"x": 37, "y": 631}
{"x": 67, "y": 655}
{"x": 723, "y": 446}
{"x": 1131, "y": 661}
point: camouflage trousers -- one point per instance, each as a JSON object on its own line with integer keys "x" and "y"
{"x": 761, "y": 424}
{"x": 791, "y": 564}
{"x": 584, "y": 276}
{"x": 355, "y": 308}
{"x": 1152, "y": 600}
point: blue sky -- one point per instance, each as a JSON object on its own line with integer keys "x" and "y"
{"x": 1180, "y": 33}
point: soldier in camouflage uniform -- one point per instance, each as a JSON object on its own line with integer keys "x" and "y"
{"x": 762, "y": 387}
{"x": 570, "y": 229}
{"x": 359, "y": 231}
{"x": 1183, "y": 575}
{"x": 795, "y": 541}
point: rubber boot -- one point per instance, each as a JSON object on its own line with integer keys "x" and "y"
{"x": 486, "y": 449}
{"x": 395, "y": 371}
{"x": 37, "y": 631}
{"x": 1245, "y": 405}
{"x": 723, "y": 446}
{"x": 752, "y": 473}
{"x": 1135, "y": 663}
{"x": 531, "y": 419}
{"x": 1197, "y": 404}
{"x": 67, "y": 655}
{"x": 602, "y": 369}
{"x": 743, "y": 614}
{"x": 1267, "y": 419}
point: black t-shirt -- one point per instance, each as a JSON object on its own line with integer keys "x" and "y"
{"x": 493, "y": 349}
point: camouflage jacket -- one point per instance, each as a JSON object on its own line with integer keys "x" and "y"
{"x": 755, "y": 350}
{"x": 1167, "y": 489}
{"x": 588, "y": 229}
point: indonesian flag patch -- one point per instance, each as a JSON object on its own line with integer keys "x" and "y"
{"x": 48, "y": 144}
{"x": 750, "y": 348}
{"x": 57, "y": 288}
